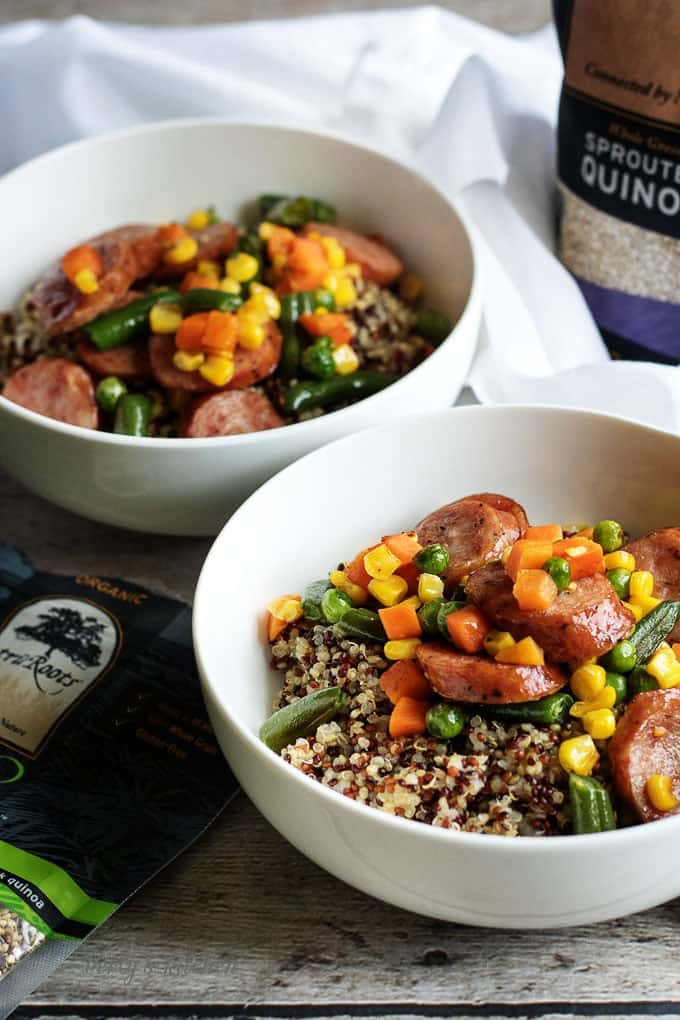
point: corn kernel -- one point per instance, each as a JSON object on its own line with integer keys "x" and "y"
{"x": 335, "y": 253}
{"x": 251, "y": 332}
{"x": 413, "y": 600}
{"x": 587, "y": 681}
{"x": 321, "y": 310}
{"x": 287, "y": 608}
{"x": 242, "y": 267}
{"x": 430, "y": 587}
{"x": 206, "y": 267}
{"x": 404, "y": 649}
{"x": 353, "y": 270}
{"x": 268, "y": 298}
{"x": 637, "y": 611}
{"x": 390, "y": 591}
{"x": 641, "y": 583}
{"x": 185, "y": 361}
{"x": 345, "y": 293}
{"x": 523, "y": 653}
{"x": 217, "y": 369}
{"x": 165, "y": 318}
{"x": 646, "y": 603}
{"x": 198, "y": 219}
{"x": 600, "y": 723}
{"x": 619, "y": 559}
{"x": 664, "y": 667}
{"x": 410, "y": 287}
{"x": 605, "y": 699}
{"x": 496, "y": 640}
{"x": 579, "y": 755}
{"x": 330, "y": 282}
{"x": 86, "y": 281}
{"x": 380, "y": 563}
{"x": 230, "y": 286}
{"x": 660, "y": 792}
{"x": 265, "y": 231}
{"x": 346, "y": 360}
{"x": 183, "y": 251}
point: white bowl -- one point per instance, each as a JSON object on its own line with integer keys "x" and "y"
{"x": 160, "y": 172}
{"x": 561, "y": 465}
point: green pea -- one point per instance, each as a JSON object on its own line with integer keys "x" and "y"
{"x": 641, "y": 681}
{"x": 108, "y": 393}
{"x": 334, "y": 604}
{"x": 433, "y": 559}
{"x": 445, "y": 720}
{"x": 620, "y": 684}
{"x": 559, "y": 570}
{"x": 609, "y": 534}
{"x": 428, "y": 615}
{"x": 619, "y": 579}
{"x": 621, "y": 658}
{"x": 317, "y": 359}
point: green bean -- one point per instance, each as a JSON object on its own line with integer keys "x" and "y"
{"x": 302, "y": 718}
{"x": 445, "y": 720}
{"x": 591, "y": 808}
{"x": 124, "y": 325}
{"x": 361, "y": 623}
{"x": 608, "y": 534}
{"x": 317, "y": 359}
{"x": 445, "y": 609}
{"x": 427, "y": 614}
{"x": 252, "y": 244}
{"x": 132, "y": 416}
{"x": 548, "y": 711}
{"x": 205, "y": 299}
{"x": 311, "y": 599}
{"x": 303, "y": 302}
{"x": 334, "y": 604}
{"x": 640, "y": 681}
{"x": 433, "y": 559}
{"x": 620, "y": 684}
{"x": 654, "y": 628}
{"x": 431, "y": 324}
{"x": 621, "y": 658}
{"x": 327, "y": 392}
{"x": 291, "y": 351}
{"x": 619, "y": 578}
{"x": 295, "y": 212}
{"x": 559, "y": 570}
{"x": 108, "y": 393}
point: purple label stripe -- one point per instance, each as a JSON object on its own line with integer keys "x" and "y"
{"x": 650, "y": 323}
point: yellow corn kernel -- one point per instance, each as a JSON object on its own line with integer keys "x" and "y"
{"x": 353, "y": 270}
{"x": 341, "y": 581}
{"x": 185, "y": 361}
{"x": 330, "y": 282}
{"x": 165, "y": 318}
{"x": 496, "y": 640}
{"x": 286, "y": 607}
{"x": 605, "y": 699}
{"x": 198, "y": 219}
{"x": 430, "y": 587}
{"x": 579, "y": 755}
{"x": 217, "y": 369}
{"x": 587, "y": 681}
{"x": 380, "y": 563}
{"x": 404, "y": 649}
{"x": 335, "y": 253}
{"x": 620, "y": 558}
{"x": 206, "y": 267}
{"x": 230, "y": 286}
{"x": 523, "y": 653}
{"x": 660, "y": 792}
{"x": 265, "y": 231}
{"x": 183, "y": 251}
{"x": 637, "y": 611}
{"x": 346, "y": 360}
{"x": 645, "y": 602}
{"x": 345, "y": 293}
{"x": 600, "y": 723}
{"x": 413, "y": 600}
{"x": 251, "y": 332}
{"x": 242, "y": 267}
{"x": 268, "y": 298}
{"x": 321, "y": 310}
{"x": 641, "y": 583}
{"x": 664, "y": 667}
{"x": 86, "y": 281}
{"x": 410, "y": 287}
{"x": 390, "y": 591}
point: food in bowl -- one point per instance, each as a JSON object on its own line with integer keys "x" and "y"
{"x": 207, "y": 329}
{"x": 482, "y": 674}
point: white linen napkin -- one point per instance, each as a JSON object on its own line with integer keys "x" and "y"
{"x": 473, "y": 108}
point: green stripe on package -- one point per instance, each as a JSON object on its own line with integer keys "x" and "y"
{"x": 108, "y": 765}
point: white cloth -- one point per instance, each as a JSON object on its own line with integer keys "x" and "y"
{"x": 474, "y": 108}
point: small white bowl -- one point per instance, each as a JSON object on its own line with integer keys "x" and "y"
{"x": 160, "y": 172}
{"x": 561, "y": 465}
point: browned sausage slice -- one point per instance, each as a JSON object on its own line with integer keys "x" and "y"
{"x": 473, "y": 678}
{"x": 230, "y": 413}
{"x": 504, "y": 505}
{"x": 647, "y": 742}
{"x": 377, "y": 261}
{"x": 582, "y": 622}
{"x": 659, "y": 552}
{"x": 131, "y": 361}
{"x": 249, "y": 366}
{"x": 56, "y": 388}
{"x": 214, "y": 242}
{"x": 473, "y": 531}
{"x": 161, "y": 352}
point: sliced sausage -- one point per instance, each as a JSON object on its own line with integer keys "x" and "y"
{"x": 131, "y": 361}
{"x": 504, "y": 505}
{"x": 473, "y": 531}
{"x": 249, "y": 366}
{"x": 659, "y": 552}
{"x": 647, "y": 742}
{"x": 582, "y": 622}
{"x": 377, "y": 261}
{"x": 161, "y": 352}
{"x": 214, "y": 242}
{"x": 230, "y": 413}
{"x": 474, "y": 678}
{"x": 56, "y": 388}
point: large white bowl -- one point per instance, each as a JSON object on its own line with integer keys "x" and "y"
{"x": 160, "y": 172}
{"x": 562, "y": 465}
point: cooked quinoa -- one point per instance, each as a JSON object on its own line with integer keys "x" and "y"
{"x": 18, "y": 938}
{"x": 385, "y": 340}
{"x": 22, "y": 339}
{"x": 494, "y": 778}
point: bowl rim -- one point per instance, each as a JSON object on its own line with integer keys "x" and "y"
{"x": 304, "y": 428}
{"x": 581, "y": 843}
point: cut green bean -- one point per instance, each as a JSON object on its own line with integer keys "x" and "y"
{"x": 361, "y": 623}
{"x": 327, "y": 392}
{"x": 311, "y": 599}
{"x": 432, "y": 325}
{"x": 207, "y": 299}
{"x": 591, "y": 808}
{"x": 302, "y": 718}
{"x": 654, "y": 628}
{"x": 132, "y": 416}
{"x": 124, "y": 325}
{"x": 108, "y": 393}
{"x": 548, "y": 711}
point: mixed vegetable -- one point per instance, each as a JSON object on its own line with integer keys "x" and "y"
{"x": 202, "y": 328}
{"x": 478, "y": 613}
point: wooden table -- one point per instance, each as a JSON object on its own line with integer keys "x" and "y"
{"x": 243, "y": 925}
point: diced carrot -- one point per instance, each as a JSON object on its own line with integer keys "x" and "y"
{"x": 676, "y": 650}
{"x": 194, "y": 280}
{"x": 584, "y": 556}
{"x": 467, "y": 629}
{"x": 221, "y": 332}
{"x": 405, "y": 679}
{"x": 400, "y": 621}
{"x": 280, "y": 242}
{"x": 356, "y": 571}
{"x": 527, "y": 555}
{"x": 171, "y": 233}
{"x": 77, "y": 259}
{"x": 544, "y": 533}
{"x": 524, "y": 653}
{"x": 306, "y": 265}
{"x": 411, "y": 574}
{"x": 189, "y": 336}
{"x": 408, "y": 718}
{"x": 534, "y": 589}
{"x": 404, "y": 545}
{"x": 333, "y": 324}
{"x": 275, "y": 627}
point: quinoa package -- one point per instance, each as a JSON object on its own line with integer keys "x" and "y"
{"x": 108, "y": 764}
{"x": 619, "y": 168}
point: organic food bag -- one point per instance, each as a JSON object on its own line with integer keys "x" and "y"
{"x": 619, "y": 168}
